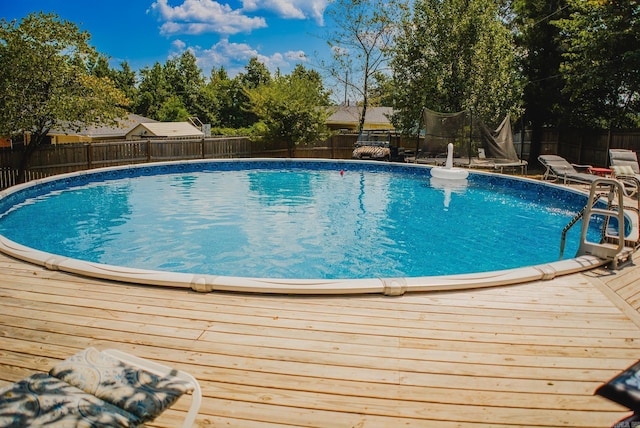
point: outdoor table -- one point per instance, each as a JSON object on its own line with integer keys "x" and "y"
{"x": 604, "y": 172}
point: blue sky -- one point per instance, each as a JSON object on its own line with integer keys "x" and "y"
{"x": 281, "y": 33}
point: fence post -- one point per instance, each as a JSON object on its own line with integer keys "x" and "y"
{"x": 148, "y": 150}
{"x": 333, "y": 147}
{"x": 89, "y": 156}
{"x": 608, "y": 146}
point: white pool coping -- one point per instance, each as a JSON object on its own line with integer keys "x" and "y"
{"x": 212, "y": 283}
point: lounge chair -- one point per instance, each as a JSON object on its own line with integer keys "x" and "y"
{"x": 624, "y": 164}
{"x": 624, "y": 158}
{"x": 558, "y": 168}
{"x": 93, "y": 388}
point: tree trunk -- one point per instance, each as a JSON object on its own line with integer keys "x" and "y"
{"x": 34, "y": 142}
{"x": 536, "y": 143}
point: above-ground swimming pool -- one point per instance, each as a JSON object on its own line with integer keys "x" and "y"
{"x": 309, "y": 226}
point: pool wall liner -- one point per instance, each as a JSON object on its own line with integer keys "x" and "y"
{"x": 210, "y": 283}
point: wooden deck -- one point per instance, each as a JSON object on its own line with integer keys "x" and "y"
{"x": 525, "y": 355}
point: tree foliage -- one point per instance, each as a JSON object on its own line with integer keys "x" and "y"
{"x": 601, "y": 62}
{"x": 452, "y": 55}
{"x": 293, "y": 108}
{"x": 567, "y": 62}
{"x": 538, "y": 39}
{"x": 153, "y": 91}
{"x": 46, "y": 80}
{"x": 362, "y": 35}
{"x": 124, "y": 78}
{"x": 226, "y": 94}
{"x": 175, "y": 91}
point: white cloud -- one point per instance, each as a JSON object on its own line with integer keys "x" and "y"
{"x": 199, "y": 17}
{"x": 296, "y": 56}
{"x": 178, "y": 45}
{"x": 235, "y": 56}
{"x": 204, "y": 16}
{"x": 290, "y": 9}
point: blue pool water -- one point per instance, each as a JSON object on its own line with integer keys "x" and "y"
{"x": 285, "y": 219}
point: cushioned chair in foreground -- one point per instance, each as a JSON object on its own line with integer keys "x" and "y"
{"x": 624, "y": 389}
{"x": 97, "y": 389}
{"x": 558, "y": 168}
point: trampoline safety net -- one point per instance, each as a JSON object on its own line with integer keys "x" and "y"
{"x": 468, "y": 134}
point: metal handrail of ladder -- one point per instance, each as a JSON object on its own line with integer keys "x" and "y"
{"x": 576, "y": 219}
{"x": 611, "y": 246}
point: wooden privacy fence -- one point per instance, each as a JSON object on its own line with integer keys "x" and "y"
{"x": 577, "y": 146}
{"x": 62, "y": 158}
{"x": 592, "y": 147}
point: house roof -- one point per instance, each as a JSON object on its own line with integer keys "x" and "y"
{"x": 349, "y": 115}
{"x": 124, "y": 127}
{"x": 168, "y": 129}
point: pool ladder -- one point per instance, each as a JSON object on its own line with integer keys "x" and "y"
{"x": 617, "y": 242}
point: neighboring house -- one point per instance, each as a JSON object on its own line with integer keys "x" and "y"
{"x": 98, "y": 133}
{"x": 164, "y": 130}
{"x": 346, "y": 118}
{"x": 132, "y": 128}
{"x": 343, "y": 118}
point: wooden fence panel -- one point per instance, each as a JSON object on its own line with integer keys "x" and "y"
{"x": 8, "y": 170}
{"x": 549, "y": 142}
{"x": 591, "y": 147}
{"x": 115, "y": 153}
{"x": 587, "y": 147}
{"x": 63, "y": 158}
{"x": 626, "y": 140}
{"x": 234, "y": 147}
{"x": 168, "y": 150}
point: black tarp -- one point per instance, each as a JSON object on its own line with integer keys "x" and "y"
{"x": 468, "y": 133}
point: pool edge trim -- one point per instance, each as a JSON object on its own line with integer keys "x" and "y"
{"x": 386, "y": 286}
{"x": 210, "y": 283}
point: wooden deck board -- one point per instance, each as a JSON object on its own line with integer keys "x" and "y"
{"x": 526, "y": 355}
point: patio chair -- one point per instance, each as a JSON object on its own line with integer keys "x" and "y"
{"x": 624, "y": 164}
{"x": 93, "y": 388}
{"x": 624, "y": 158}
{"x": 558, "y": 167}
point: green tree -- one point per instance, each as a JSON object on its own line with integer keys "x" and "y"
{"x": 361, "y": 35}
{"x": 293, "y": 108}
{"x": 220, "y": 93}
{"x": 153, "y": 92}
{"x": 228, "y": 100}
{"x": 46, "y": 81}
{"x": 452, "y": 55}
{"x": 185, "y": 81}
{"x": 255, "y": 74}
{"x": 601, "y": 62}
{"x": 124, "y": 79}
{"x": 540, "y": 43}
{"x": 382, "y": 90}
{"x": 173, "y": 110}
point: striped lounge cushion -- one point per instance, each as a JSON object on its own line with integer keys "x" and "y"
{"x": 622, "y": 170}
{"x": 137, "y": 391}
{"x": 41, "y": 400}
